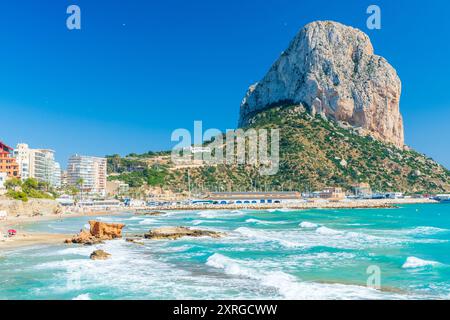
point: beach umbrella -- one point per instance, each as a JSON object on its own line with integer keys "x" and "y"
{"x": 12, "y": 232}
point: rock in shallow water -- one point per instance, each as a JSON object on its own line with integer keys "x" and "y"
{"x": 100, "y": 255}
{"x": 99, "y": 232}
{"x": 173, "y": 233}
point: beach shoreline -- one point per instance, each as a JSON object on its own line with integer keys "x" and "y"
{"x": 25, "y": 239}
{"x": 29, "y": 238}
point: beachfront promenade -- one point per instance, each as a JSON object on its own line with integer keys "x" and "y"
{"x": 319, "y": 204}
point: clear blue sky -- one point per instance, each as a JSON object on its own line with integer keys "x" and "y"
{"x": 140, "y": 69}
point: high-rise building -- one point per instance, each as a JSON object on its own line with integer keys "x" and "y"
{"x": 3, "y": 177}
{"x": 22, "y": 154}
{"x": 91, "y": 171}
{"x": 8, "y": 163}
{"x": 57, "y": 175}
{"x": 39, "y": 164}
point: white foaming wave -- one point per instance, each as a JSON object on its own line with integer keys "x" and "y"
{"x": 264, "y": 222}
{"x": 281, "y": 210}
{"x": 308, "y": 225}
{"x": 327, "y": 231}
{"x": 414, "y": 262}
{"x": 130, "y": 270}
{"x": 425, "y": 230}
{"x": 267, "y": 236}
{"x": 134, "y": 218}
{"x": 349, "y": 235}
{"x": 138, "y": 273}
{"x": 198, "y": 222}
{"x": 147, "y": 222}
{"x": 211, "y": 214}
{"x": 108, "y": 219}
{"x": 78, "y": 250}
{"x": 321, "y": 237}
{"x": 84, "y": 296}
{"x": 288, "y": 286}
{"x": 286, "y": 210}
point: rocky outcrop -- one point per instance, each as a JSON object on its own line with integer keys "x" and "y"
{"x": 333, "y": 71}
{"x": 106, "y": 231}
{"x": 84, "y": 237}
{"x": 100, "y": 255}
{"x": 135, "y": 241}
{"x": 99, "y": 232}
{"x": 173, "y": 233}
{"x": 148, "y": 213}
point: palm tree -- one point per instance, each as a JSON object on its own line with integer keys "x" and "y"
{"x": 80, "y": 183}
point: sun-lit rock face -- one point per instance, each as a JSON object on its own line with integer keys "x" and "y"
{"x": 332, "y": 69}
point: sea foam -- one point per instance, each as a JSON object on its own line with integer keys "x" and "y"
{"x": 288, "y": 286}
{"x": 308, "y": 225}
{"x": 327, "y": 231}
{"x": 261, "y": 235}
{"x": 84, "y": 296}
{"x": 413, "y": 262}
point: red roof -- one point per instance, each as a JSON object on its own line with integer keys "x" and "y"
{"x": 5, "y": 147}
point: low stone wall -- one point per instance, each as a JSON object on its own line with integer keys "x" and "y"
{"x": 33, "y": 206}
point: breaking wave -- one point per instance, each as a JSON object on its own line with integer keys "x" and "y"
{"x": 288, "y": 286}
{"x": 413, "y": 262}
{"x": 308, "y": 225}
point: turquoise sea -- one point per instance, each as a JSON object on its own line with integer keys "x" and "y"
{"x": 276, "y": 254}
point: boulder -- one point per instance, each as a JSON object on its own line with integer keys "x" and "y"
{"x": 173, "y": 233}
{"x": 100, "y": 255}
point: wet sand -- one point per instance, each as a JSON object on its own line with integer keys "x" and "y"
{"x": 30, "y": 239}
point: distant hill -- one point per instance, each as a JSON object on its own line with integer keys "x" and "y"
{"x": 315, "y": 153}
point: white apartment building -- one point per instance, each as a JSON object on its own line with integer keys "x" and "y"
{"x": 39, "y": 164}
{"x": 24, "y": 159}
{"x": 91, "y": 170}
{"x": 3, "y": 177}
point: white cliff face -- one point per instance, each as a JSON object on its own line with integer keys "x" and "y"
{"x": 333, "y": 70}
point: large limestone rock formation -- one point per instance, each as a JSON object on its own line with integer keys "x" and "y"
{"x": 332, "y": 69}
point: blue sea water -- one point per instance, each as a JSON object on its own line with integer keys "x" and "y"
{"x": 276, "y": 254}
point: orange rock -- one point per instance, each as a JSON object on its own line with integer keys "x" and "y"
{"x": 106, "y": 231}
{"x": 99, "y": 231}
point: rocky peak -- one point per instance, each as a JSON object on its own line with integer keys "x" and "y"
{"x": 332, "y": 69}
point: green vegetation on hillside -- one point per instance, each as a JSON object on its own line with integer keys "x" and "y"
{"x": 153, "y": 176}
{"x": 314, "y": 153}
{"x": 30, "y": 188}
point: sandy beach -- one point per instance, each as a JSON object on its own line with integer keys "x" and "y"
{"x": 23, "y": 239}
{"x": 30, "y": 239}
